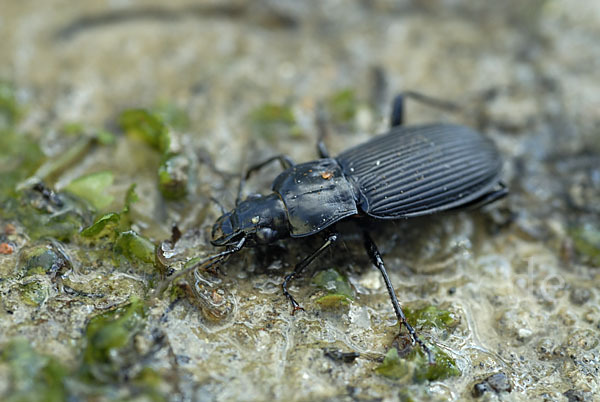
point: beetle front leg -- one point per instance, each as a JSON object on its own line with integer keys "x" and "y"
{"x": 375, "y": 256}
{"x": 331, "y": 238}
{"x": 284, "y": 160}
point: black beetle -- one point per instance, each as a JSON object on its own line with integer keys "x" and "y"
{"x": 407, "y": 172}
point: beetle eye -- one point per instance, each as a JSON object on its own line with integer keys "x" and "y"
{"x": 266, "y": 235}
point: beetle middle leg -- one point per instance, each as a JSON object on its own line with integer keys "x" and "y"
{"x": 376, "y": 259}
{"x": 331, "y": 238}
{"x": 284, "y": 160}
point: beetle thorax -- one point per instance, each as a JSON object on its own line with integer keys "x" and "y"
{"x": 260, "y": 219}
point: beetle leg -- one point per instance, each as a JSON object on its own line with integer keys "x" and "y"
{"x": 375, "y": 256}
{"x": 331, "y": 238}
{"x": 285, "y": 161}
{"x": 321, "y": 123}
{"x": 487, "y": 198}
{"x": 397, "y": 115}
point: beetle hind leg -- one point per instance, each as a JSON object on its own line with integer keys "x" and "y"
{"x": 376, "y": 259}
{"x": 494, "y": 195}
{"x": 397, "y": 114}
{"x": 321, "y": 123}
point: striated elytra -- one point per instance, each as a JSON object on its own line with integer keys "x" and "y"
{"x": 407, "y": 172}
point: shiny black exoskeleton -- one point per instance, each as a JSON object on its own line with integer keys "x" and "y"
{"x": 404, "y": 173}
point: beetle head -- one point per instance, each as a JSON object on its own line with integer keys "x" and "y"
{"x": 260, "y": 220}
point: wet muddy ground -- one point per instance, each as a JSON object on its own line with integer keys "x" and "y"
{"x": 178, "y": 98}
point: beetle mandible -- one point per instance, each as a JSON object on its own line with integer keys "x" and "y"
{"x": 407, "y": 172}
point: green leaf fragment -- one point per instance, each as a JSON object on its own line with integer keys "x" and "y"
{"x": 172, "y": 115}
{"x": 147, "y": 126}
{"x": 586, "y": 240}
{"x": 392, "y": 366}
{"x": 343, "y": 105}
{"x": 135, "y": 247}
{"x": 73, "y": 128}
{"x": 110, "y": 335}
{"x": 333, "y": 300}
{"x": 106, "y": 224}
{"x": 173, "y": 176}
{"x": 272, "y": 121}
{"x": 105, "y": 137}
{"x": 93, "y": 188}
{"x": 339, "y": 290}
{"x": 431, "y": 316}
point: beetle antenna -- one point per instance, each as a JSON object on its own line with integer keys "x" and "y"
{"x": 205, "y": 263}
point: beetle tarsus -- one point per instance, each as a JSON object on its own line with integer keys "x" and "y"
{"x": 376, "y": 259}
{"x": 296, "y": 307}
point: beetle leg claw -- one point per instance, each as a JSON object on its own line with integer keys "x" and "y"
{"x": 296, "y": 307}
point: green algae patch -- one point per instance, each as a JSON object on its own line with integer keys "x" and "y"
{"x": 47, "y": 214}
{"x": 61, "y": 227}
{"x": 109, "y": 341}
{"x": 32, "y": 376}
{"x": 431, "y": 316}
{"x": 79, "y": 129}
{"x": 150, "y": 381}
{"x": 105, "y": 137}
{"x": 110, "y": 225}
{"x": 42, "y": 259}
{"x": 115, "y": 229}
{"x": 338, "y": 288}
{"x": 93, "y": 188}
{"x": 172, "y": 115}
{"x": 586, "y": 240}
{"x": 393, "y": 366}
{"x": 154, "y": 128}
{"x": 20, "y": 156}
{"x": 72, "y": 154}
{"x": 147, "y": 126}
{"x": 34, "y": 293}
{"x": 10, "y": 110}
{"x": 342, "y": 106}
{"x": 136, "y": 247}
{"x": 415, "y": 366}
{"x": 173, "y": 176}
{"x": 272, "y": 121}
